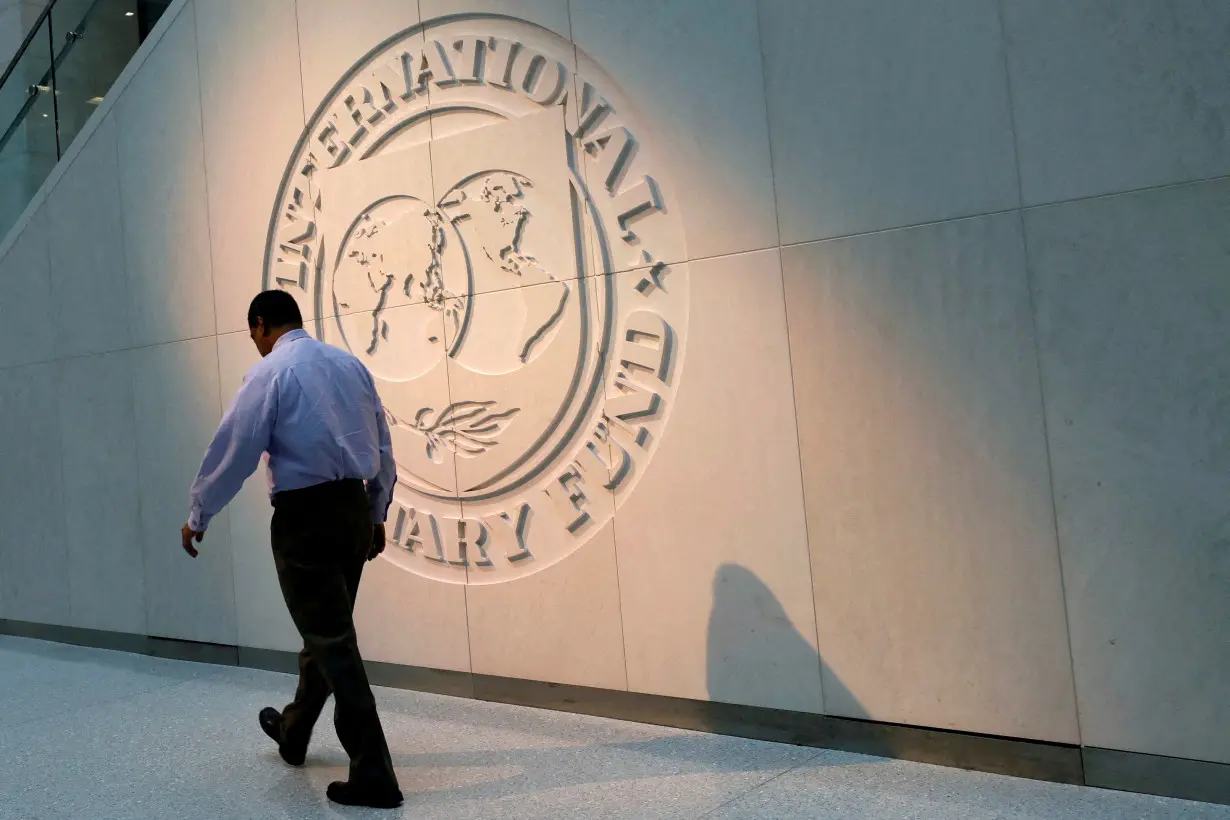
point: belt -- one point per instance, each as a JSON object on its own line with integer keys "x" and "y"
{"x": 345, "y": 486}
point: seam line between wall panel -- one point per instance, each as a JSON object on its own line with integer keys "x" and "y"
{"x": 1166, "y": 186}
{"x": 230, "y": 519}
{"x": 200, "y": 99}
{"x": 302, "y": 78}
{"x": 299, "y": 61}
{"x": 448, "y": 381}
{"x": 794, "y": 398}
{"x": 1037, "y": 344}
{"x": 129, "y": 351}
{"x": 57, "y": 380}
{"x": 583, "y": 167}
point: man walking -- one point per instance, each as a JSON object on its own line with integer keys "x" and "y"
{"x": 314, "y": 410}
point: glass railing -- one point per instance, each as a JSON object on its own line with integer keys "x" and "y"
{"x": 62, "y": 70}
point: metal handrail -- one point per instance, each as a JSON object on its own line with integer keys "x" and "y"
{"x": 25, "y": 43}
{"x": 67, "y": 111}
{"x": 48, "y": 79}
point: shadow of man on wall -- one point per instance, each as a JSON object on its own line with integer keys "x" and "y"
{"x": 756, "y": 656}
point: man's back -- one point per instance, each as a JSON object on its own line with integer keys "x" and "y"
{"x": 325, "y": 427}
{"x": 314, "y": 409}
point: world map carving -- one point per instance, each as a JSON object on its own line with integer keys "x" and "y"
{"x": 395, "y": 256}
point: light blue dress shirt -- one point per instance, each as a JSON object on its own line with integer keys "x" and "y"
{"x": 314, "y": 409}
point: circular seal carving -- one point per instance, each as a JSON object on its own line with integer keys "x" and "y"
{"x": 475, "y": 211}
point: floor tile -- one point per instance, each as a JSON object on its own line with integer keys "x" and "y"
{"x": 41, "y": 681}
{"x": 853, "y": 787}
{"x": 152, "y": 738}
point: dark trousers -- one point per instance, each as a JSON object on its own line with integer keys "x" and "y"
{"x": 321, "y": 537}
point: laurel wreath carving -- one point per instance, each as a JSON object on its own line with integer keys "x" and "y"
{"x": 467, "y": 428}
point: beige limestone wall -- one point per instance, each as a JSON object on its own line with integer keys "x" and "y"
{"x": 889, "y": 361}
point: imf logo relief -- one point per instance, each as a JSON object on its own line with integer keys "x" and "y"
{"x": 473, "y": 212}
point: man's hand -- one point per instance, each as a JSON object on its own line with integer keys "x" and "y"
{"x": 191, "y": 535}
{"x": 377, "y": 542}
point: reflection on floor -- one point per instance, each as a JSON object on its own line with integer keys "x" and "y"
{"x": 92, "y": 734}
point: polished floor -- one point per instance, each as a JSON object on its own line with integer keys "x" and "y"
{"x": 97, "y": 735}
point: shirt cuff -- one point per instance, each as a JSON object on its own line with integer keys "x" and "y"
{"x": 379, "y": 514}
{"x": 198, "y": 521}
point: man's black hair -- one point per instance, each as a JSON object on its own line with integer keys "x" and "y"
{"x": 278, "y": 308}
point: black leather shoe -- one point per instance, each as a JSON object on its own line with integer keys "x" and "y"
{"x": 347, "y": 795}
{"x": 271, "y": 723}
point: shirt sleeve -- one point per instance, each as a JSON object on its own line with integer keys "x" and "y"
{"x": 380, "y": 488}
{"x": 235, "y": 452}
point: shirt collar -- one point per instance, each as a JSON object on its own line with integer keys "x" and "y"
{"x": 290, "y": 336}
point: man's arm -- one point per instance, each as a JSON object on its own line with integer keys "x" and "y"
{"x": 380, "y": 488}
{"x": 235, "y": 452}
